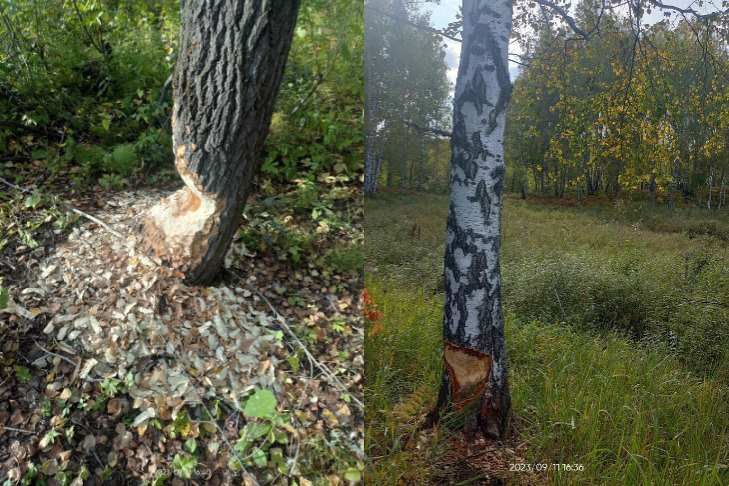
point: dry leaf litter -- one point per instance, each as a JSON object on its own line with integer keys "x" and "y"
{"x": 130, "y": 314}
{"x": 124, "y": 315}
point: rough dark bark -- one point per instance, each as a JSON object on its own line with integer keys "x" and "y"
{"x": 229, "y": 68}
{"x": 474, "y": 353}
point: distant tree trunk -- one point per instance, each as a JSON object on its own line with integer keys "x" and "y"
{"x": 710, "y": 183}
{"x": 371, "y": 111}
{"x": 231, "y": 59}
{"x": 411, "y": 173}
{"x": 372, "y": 170}
{"x": 422, "y": 164}
{"x": 592, "y": 181}
{"x": 721, "y": 189}
{"x": 473, "y": 328}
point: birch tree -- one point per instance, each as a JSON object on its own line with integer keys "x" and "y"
{"x": 475, "y": 368}
{"x": 231, "y": 59}
{"x": 473, "y": 328}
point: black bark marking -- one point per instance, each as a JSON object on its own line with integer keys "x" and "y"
{"x": 482, "y": 198}
{"x": 486, "y": 41}
{"x": 498, "y": 174}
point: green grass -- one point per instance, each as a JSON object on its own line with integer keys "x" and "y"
{"x": 346, "y": 258}
{"x": 579, "y": 266}
{"x": 596, "y": 377}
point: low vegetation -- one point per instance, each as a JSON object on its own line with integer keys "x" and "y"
{"x": 616, "y": 329}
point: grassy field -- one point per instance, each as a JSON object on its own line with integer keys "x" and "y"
{"x": 617, "y": 333}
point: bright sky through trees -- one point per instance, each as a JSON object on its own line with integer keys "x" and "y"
{"x": 445, "y": 12}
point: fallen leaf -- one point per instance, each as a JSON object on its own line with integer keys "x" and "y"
{"x": 86, "y": 369}
{"x": 144, "y": 416}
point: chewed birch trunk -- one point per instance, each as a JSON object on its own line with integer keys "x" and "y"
{"x": 474, "y": 354}
{"x": 229, "y": 68}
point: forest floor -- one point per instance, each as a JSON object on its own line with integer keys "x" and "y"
{"x": 615, "y": 328}
{"x": 115, "y": 372}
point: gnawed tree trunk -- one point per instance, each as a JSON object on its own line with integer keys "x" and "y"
{"x": 231, "y": 59}
{"x": 474, "y": 355}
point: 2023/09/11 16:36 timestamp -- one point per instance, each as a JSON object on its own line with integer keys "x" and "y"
{"x": 544, "y": 466}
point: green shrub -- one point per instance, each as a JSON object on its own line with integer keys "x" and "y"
{"x": 581, "y": 267}
{"x": 154, "y": 148}
{"x": 89, "y": 154}
{"x": 346, "y": 258}
{"x": 582, "y": 289}
{"x": 111, "y": 181}
{"x": 122, "y": 160}
{"x": 264, "y": 233}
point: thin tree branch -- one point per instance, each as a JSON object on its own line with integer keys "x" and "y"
{"x": 98, "y": 47}
{"x": 77, "y": 211}
{"x": 688, "y": 10}
{"x": 335, "y": 381}
{"x": 15, "y": 429}
{"x": 304, "y": 101}
{"x": 435, "y": 131}
{"x": 569, "y": 20}
{"x": 324, "y": 368}
{"x": 76, "y": 366}
{"x": 517, "y": 62}
{"x": 165, "y": 88}
{"x": 410, "y": 22}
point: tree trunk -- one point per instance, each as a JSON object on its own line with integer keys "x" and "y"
{"x": 371, "y": 115}
{"x": 710, "y": 183}
{"x": 474, "y": 354}
{"x": 231, "y": 59}
{"x": 372, "y": 171}
{"x": 422, "y": 163}
{"x": 721, "y": 190}
{"x": 542, "y": 174}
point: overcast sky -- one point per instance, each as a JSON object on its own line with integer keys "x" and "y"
{"x": 446, "y": 12}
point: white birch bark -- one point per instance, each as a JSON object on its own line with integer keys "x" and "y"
{"x": 475, "y": 359}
